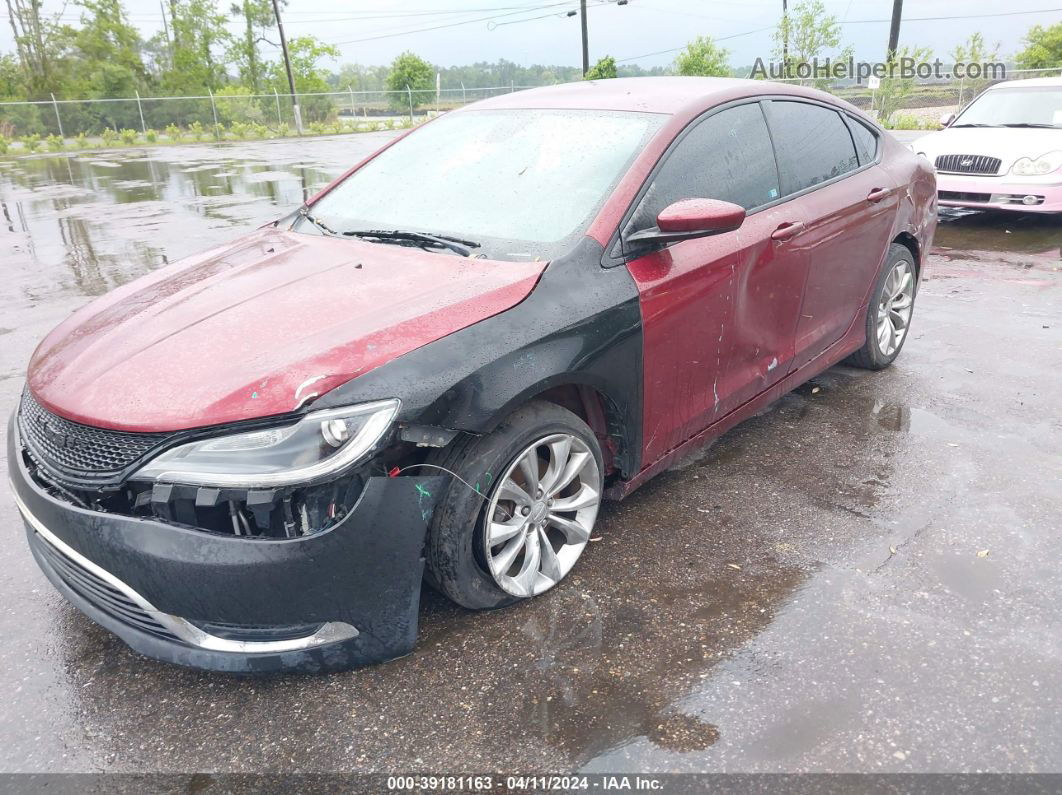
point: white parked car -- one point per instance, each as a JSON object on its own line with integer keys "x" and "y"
{"x": 1003, "y": 151}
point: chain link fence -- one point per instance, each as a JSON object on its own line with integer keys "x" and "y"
{"x": 918, "y": 104}
{"x": 235, "y": 114}
{"x": 230, "y": 114}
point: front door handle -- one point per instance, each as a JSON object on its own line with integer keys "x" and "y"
{"x": 787, "y": 231}
{"x": 877, "y": 195}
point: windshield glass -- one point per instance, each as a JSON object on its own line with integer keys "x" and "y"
{"x": 524, "y": 184}
{"x": 1036, "y": 106}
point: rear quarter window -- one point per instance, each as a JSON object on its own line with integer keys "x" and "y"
{"x": 813, "y": 144}
{"x": 866, "y": 141}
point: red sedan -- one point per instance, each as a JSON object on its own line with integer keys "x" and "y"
{"x": 443, "y": 363}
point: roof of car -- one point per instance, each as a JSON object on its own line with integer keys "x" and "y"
{"x": 1032, "y": 82}
{"x": 646, "y": 94}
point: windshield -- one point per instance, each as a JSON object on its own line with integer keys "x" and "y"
{"x": 1021, "y": 106}
{"x": 523, "y": 184}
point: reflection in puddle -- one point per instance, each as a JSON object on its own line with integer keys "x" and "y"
{"x": 891, "y": 417}
{"x": 83, "y": 224}
{"x": 604, "y": 677}
{"x": 1016, "y": 240}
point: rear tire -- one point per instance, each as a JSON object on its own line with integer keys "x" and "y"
{"x": 889, "y": 313}
{"x": 488, "y": 533}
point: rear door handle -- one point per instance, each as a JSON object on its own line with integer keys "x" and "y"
{"x": 877, "y": 194}
{"x": 787, "y": 231}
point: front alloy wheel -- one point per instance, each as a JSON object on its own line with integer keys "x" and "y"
{"x": 519, "y": 511}
{"x": 541, "y": 514}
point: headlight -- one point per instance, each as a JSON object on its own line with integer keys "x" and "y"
{"x": 1045, "y": 164}
{"x": 320, "y": 444}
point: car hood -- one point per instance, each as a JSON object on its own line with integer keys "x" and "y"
{"x": 258, "y": 327}
{"x": 1007, "y": 143}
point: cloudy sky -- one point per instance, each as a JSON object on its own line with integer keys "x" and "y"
{"x": 451, "y": 32}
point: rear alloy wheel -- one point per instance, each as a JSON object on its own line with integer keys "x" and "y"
{"x": 541, "y": 514}
{"x": 519, "y": 513}
{"x": 888, "y": 317}
{"x": 895, "y": 305}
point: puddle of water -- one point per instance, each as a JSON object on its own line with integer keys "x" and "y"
{"x": 606, "y": 670}
{"x": 83, "y": 224}
{"x": 1015, "y": 240}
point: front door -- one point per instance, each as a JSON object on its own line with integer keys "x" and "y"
{"x": 718, "y": 313}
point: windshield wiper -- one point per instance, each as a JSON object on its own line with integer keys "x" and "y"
{"x": 305, "y": 213}
{"x": 1031, "y": 124}
{"x": 403, "y": 238}
{"x": 972, "y": 125}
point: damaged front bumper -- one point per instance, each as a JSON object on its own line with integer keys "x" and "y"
{"x": 335, "y": 600}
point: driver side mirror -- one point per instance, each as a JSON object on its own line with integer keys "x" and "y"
{"x": 946, "y": 120}
{"x": 690, "y": 218}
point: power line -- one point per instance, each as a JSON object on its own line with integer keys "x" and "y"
{"x": 543, "y": 16}
{"x": 676, "y": 49}
{"x": 956, "y": 16}
{"x": 314, "y": 16}
{"x": 451, "y": 24}
{"x": 856, "y": 22}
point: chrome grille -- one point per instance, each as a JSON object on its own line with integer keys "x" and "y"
{"x": 968, "y": 164}
{"x": 79, "y": 452}
{"x": 100, "y": 593}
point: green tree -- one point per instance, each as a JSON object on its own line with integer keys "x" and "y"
{"x": 258, "y": 20}
{"x": 703, "y": 57}
{"x": 198, "y": 34}
{"x": 410, "y": 72}
{"x": 235, "y": 104}
{"x": 360, "y": 78}
{"x": 40, "y": 42}
{"x": 1043, "y": 48}
{"x": 16, "y": 120}
{"x": 101, "y": 58}
{"x": 106, "y": 36}
{"x": 975, "y": 50}
{"x": 806, "y": 33}
{"x": 892, "y": 92}
{"x": 603, "y": 69}
{"x": 306, "y": 53}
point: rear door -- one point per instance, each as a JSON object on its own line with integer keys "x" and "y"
{"x": 719, "y": 313}
{"x": 848, "y": 205}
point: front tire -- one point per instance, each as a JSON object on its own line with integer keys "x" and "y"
{"x": 889, "y": 314}
{"x": 523, "y": 515}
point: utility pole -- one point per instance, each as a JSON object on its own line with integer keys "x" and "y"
{"x": 785, "y": 39}
{"x": 586, "y": 49}
{"x": 287, "y": 68}
{"x": 894, "y": 29}
{"x": 166, "y": 29}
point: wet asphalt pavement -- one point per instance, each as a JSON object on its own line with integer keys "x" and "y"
{"x": 866, "y": 577}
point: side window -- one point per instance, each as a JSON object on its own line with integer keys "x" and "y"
{"x": 727, "y": 156}
{"x": 813, "y": 144}
{"x": 866, "y": 141}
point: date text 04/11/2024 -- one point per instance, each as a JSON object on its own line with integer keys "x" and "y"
{"x": 535, "y": 783}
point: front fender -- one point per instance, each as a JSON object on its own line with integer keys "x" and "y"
{"x": 580, "y": 325}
